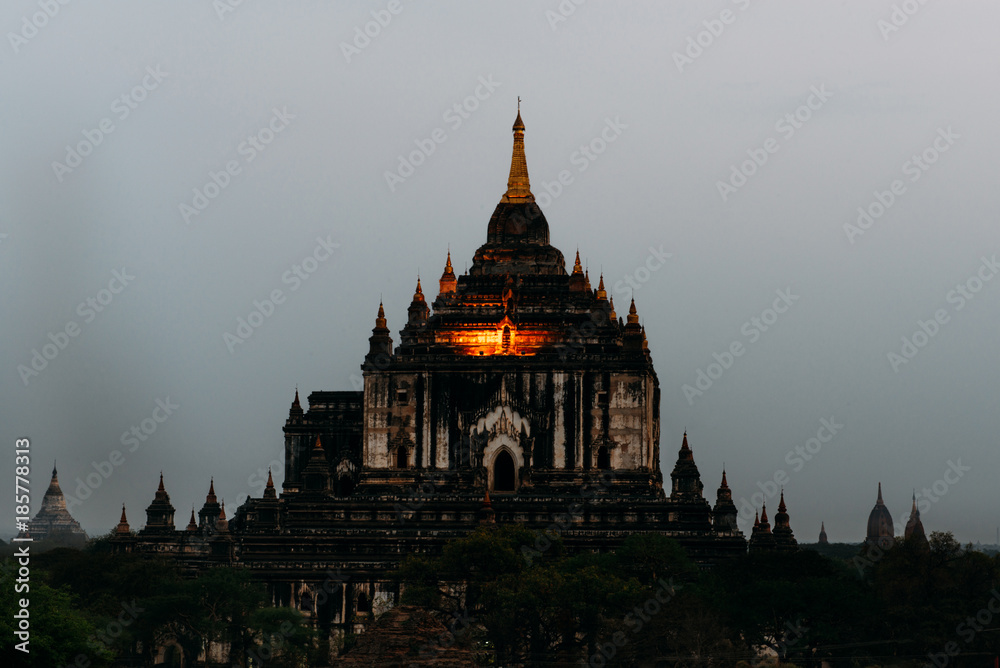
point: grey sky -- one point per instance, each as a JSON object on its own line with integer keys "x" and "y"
{"x": 198, "y": 83}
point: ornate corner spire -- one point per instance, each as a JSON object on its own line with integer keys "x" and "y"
{"x": 192, "y": 525}
{"x": 448, "y": 283}
{"x": 123, "y": 527}
{"x": 518, "y": 184}
{"x": 269, "y": 492}
{"x": 211, "y": 498}
{"x": 380, "y": 322}
{"x": 633, "y": 315}
{"x": 577, "y": 267}
{"x": 601, "y": 292}
{"x": 781, "y": 504}
{"x": 612, "y": 316}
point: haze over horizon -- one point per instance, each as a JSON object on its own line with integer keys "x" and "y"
{"x": 811, "y": 185}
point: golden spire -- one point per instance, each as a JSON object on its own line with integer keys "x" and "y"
{"x": 448, "y": 282}
{"x": 418, "y": 296}
{"x": 613, "y": 316}
{"x": 601, "y": 292}
{"x": 518, "y": 185}
{"x": 577, "y": 267}
{"x": 586, "y": 280}
{"x": 633, "y": 317}
{"x": 379, "y": 324}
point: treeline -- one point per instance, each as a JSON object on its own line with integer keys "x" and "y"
{"x": 517, "y": 597}
{"x": 647, "y": 604}
{"x": 92, "y": 609}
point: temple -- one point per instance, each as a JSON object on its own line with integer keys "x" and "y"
{"x": 880, "y": 525}
{"x": 516, "y": 394}
{"x": 53, "y": 522}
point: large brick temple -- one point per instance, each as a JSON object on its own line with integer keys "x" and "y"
{"x": 517, "y": 394}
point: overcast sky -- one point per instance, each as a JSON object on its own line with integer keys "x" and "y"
{"x": 174, "y": 162}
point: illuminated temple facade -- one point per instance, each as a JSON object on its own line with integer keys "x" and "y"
{"x": 517, "y": 394}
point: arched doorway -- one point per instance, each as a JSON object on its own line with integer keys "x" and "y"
{"x": 402, "y": 457}
{"x": 503, "y": 472}
{"x": 603, "y": 457}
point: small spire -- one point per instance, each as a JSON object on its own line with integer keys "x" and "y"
{"x": 210, "y": 497}
{"x": 633, "y": 316}
{"x": 380, "y": 318}
{"x": 781, "y": 504}
{"x": 161, "y": 488}
{"x": 418, "y": 296}
{"x": 577, "y": 267}
{"x": 613, "y": 316}
{"x": 763, "y": 513}
{"x": 192, "y": 525}
{"x": 448, "y": 282}
{"x": 123, "y": 527}
{"x": 269, "y": 492}
{"x": 222, "y": 510}
{"x": 756, "y": 519}
{"x": 586, "y": 280}
{"x": 725, "y": 484}
{"x": 295, "y": 403}
{"x": 880, "y": 493}
{"x": 601, "y": 292}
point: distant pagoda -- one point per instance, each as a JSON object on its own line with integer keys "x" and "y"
{"x": 53, "y": 521}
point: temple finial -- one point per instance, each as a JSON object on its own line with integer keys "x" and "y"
{"x": 518, "y": 184}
